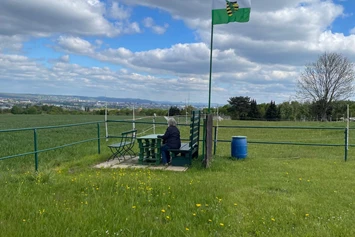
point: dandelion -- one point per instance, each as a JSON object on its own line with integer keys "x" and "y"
{"x": 169, "y": 206}
{"x": 209, "y": 220}
{"x": 134, "y": 207}
{"x": 187, "y": 229}
{"x": 198, "y": 205}
{"x": 308, "y": 180}
{"x": 168, "y": 217}
{"x": 221, "y": 224}
{"x": 300, "y": 179}
{"x": 235, "y": 204}
{"x": 194, "y": 214}
{"x": 273, "y": 219}
{"x": 307, "y": 215}
{"x": 163, "y": 211}
{"x": 24, "y": 220}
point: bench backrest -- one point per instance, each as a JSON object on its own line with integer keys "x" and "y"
{"x": 129, "y": 136}
{"x": 195, "y": 129}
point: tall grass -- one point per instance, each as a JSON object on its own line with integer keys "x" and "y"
{"x": 276, "y": 191}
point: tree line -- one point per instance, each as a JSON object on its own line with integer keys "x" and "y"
{"x": 238, "y": 108}
{"x": 244, "y": 108}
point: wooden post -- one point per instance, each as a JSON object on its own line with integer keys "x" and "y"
{"x": 208, "y": 155}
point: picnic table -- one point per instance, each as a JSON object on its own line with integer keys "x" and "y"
{"x": 149, "y": 149}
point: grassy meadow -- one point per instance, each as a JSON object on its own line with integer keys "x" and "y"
{"x": 278, "y": 190}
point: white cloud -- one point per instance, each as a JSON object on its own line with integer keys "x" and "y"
{"x": 75, "y": 45}
{"x": 119, "y": 12}
{"x": 352, "y": 31}
{"x": 261, "y": 59}
{"x": 148, "y": 22}
{"x": 12, "y": 43}
{"x": 64, "y": 58}
{"x": 41, "y": 18}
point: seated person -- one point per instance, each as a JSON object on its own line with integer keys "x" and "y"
{"x": 171, "y": 140}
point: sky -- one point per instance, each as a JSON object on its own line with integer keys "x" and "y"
{"x": 160, "y": 50}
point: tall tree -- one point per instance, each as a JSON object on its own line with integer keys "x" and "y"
{"x": 254, "y": 112}
{"x": 240, "y": 107}
{"x": 272, "y": 112}
{"x": 174, "y": 110}
{"x": 329, "y": 79}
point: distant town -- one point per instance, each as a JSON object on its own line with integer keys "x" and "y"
{"x": 8, "y": 100}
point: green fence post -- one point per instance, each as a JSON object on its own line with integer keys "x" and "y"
{"x": 215, "y": 140}
{"x": 98, "y": 138}
{"x": 35, "y": 148}
{"x": 346, "y": 144}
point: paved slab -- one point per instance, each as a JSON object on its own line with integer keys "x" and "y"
{"x": 132, "y": 163}
{"x": 176, "y": 168}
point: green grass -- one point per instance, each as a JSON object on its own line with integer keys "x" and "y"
{"x": 277, "y": 190}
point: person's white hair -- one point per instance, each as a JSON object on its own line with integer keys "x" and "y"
{"x": 171, "y": 122}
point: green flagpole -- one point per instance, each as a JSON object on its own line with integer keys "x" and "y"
{"x": 209, "y": 90}
{"x": 210, "y": 78}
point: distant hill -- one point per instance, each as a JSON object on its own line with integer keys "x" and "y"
{"x": 71, "y": 97}
{"x": 57, "y": 98}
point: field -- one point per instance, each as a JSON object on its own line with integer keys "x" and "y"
{"x": 278, "y": 190}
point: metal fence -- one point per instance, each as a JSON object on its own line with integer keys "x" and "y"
{"x": 98, "y": 138}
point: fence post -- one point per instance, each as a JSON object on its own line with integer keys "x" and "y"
{"x": 98, "y": 138}
{"x": 204, "y": 137}
{"x": 346, "y": 144}
{"x": 35, "y": 148}
{"x": 215, "y": 141}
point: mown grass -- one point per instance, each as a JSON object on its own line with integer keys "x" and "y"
{"x": 277, "y": 190}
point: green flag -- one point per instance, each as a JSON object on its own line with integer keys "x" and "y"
{"x": 224, "y": 11}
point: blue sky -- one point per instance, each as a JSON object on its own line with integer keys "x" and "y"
{"x": 159, "y": 50}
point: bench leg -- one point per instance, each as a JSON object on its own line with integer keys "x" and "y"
{"x": 117, "y": 152}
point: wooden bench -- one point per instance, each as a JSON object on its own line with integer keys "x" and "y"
{"x": 125, "y": 146}
{"x": 183, "y": 156}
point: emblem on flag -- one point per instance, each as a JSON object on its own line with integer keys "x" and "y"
{"x": 231, "y": 7}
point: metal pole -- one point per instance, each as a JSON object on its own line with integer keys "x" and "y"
{"x": 35, "y": 148}
{"x": 106, "y": 122}
{"x": 347, "y": 127}
{"x": 346, "y": 145}
{"x": 134, "y": 119}
{"x": 154, "y": 123}
{"x": 210, "y": 78}
{"x": 98, "y": 139}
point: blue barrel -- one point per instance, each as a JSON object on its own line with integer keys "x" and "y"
{"x": 239, "y": 147}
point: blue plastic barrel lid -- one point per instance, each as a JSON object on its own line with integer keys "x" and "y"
{"x": 239, "y": 137}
